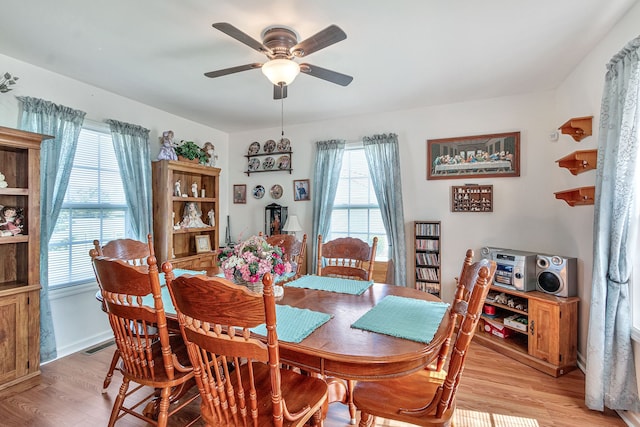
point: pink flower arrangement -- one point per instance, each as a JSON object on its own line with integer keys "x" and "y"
{"x": 252, "y": 259}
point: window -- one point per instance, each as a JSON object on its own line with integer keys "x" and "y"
{"x": 94, "y": 207}
{"x": 356, "y": 212}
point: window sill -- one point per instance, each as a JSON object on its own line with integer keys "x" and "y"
{"x": 69, "y": 291}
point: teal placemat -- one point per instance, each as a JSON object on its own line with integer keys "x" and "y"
{"x": 412, "y": 319}
{"x": 179, "y": 272}
{"x": 331, "y": 284}
{"x": 294, "y": 324}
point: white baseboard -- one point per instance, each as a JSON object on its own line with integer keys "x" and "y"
{"x": 82, "y": 344}
{"x": 631, "y": 418}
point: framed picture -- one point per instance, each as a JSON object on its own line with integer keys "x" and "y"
{"x": 203, "y": 244}
{"x": 239, "y": 193}
{"x": 481, "y": 156}
{"x": 301, "y": 190}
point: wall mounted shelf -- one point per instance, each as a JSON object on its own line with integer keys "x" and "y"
{"x": 577, "y": 196}
{"x": 579, "y": 161}
{"x": 578, "y": 127}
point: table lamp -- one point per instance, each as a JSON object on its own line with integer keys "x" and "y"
{"x": 292, "y": 225}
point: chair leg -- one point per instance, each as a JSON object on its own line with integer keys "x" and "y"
{"x": 366, "y": 420}
{"x": 117, "y": 405}
{"x": 112, "y": 367}
{"x": 163, "y": 413}
{"x": 351, "y": 384}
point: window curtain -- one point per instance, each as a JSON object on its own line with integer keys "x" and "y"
{"x": 383, "y": 157}
{"x": 610, "y": 373}
{"x": 325, "y": 184}
{"x": 56, "y": 161}
{"x": 131, "y": 145}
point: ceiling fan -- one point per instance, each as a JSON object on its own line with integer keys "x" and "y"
{"x": 280, "y": 45}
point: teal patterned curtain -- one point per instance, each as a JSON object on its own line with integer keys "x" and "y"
{"x": 610, "y": 373}
{"x": 131, "y": 145}
{"x": 325, "y": 183}
{"x": 383, "y": 157}
{"x": 56, "y": 162}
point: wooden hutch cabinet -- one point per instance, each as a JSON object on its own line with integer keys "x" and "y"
{"x": 183, "y": 246}
{"x": 19, "y": 258}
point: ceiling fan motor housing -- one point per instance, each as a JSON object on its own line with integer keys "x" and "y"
{"x": 280, "y": 40}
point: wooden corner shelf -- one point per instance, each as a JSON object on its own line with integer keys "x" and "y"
{"x": 577, "y": 196}
{"x": 579, "y": 161}
{"x": 578, "y": 127}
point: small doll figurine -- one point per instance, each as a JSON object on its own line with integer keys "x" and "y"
{"x": 176, "y": 189}
{"x": 212, "y": 217}
{"x": 210, "y": 150}
{"x": 192, "y": 217}
{"x": 11, "y": 221}
{"x": 167, "y": 151}
{"x": 194, "y": 189}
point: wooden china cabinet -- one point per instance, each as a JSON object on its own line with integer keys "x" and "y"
{"x": 184, "y": 246}
{"x": 19, "y": 258}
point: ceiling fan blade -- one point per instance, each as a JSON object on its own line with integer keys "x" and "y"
{"x": 279, "y": 92}
{"x": 324, "y": 74}
{"x": 330, "y": 35}
{"x": 232, "y": 70}
{"x": 241, "y": 36}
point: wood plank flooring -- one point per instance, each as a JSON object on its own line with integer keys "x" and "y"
{"x": 495, "y": 391}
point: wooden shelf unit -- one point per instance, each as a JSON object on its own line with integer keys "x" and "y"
{"x": 578, "y": 127}
{"x": 578, "y": 196}
{"x": 579, "y": 161}
{"x": 549, "y": 343}
{"x": 20, "y": 255}
{"x": 472, "y": 198}
{"x": 176, "y": 244}
{"x": 426, "y": 239}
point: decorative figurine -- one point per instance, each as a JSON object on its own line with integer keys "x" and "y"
{"x": 3, "y": 182}
{"x": 192, "y": 217}
{"x": 176, "y": 189}
{"x": 212, "y": 217}
{"x": 194, "y": 189}
{"x": 210, "y": 151}
{"x": 167, "y": 151}
{"x": 11, "y": 221}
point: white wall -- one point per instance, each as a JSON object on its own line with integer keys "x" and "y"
{"x": 78, "y": 320}
{"x": 526, "y": 214}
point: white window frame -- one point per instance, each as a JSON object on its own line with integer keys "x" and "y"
{"x": 87, "y": 243}
{"x": 382, "y": 248}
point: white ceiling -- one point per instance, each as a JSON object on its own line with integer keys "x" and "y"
{"x": 402, "y": 54}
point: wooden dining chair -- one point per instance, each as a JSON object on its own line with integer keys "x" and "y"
{"x": 422, "y": 398}
{"x": 131, "y": 251}
{"x": 150, "y": 356}
{"x": 349, "y": 258}
{"x": 293, "y": 249}
{"x": 247, "y": 386}
{"x": 346, "y": 257}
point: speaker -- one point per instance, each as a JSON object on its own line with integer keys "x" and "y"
{"x": 556, "y": 275}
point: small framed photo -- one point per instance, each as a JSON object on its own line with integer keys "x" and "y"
{"x": 240, "y": 193}
{"x": 203, "y": 244}
{"x": 301, "y": 190}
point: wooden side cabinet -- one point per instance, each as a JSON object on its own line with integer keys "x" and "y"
{"x": 19, "y": 258}
{"x": 548, "y": 342}
{"x": 178, "y": 244}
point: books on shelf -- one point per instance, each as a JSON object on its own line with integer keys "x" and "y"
{"x": 423, "y": 229}
{"x": 427, "y": 245}
{"x": 427, "y": 259}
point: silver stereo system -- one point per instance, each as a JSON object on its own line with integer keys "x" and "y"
{"x": 514, "y": 269}
{"x": 531, "y": 271}
{"x": 556, "y": 275}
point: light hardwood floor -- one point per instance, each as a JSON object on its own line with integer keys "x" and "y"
{"x": 495, "y": 391}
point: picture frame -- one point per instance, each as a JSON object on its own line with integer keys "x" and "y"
{"x": 301, "y": 190}
{"x": 239, "y": 193}
{"x": 203, "y": 244}
{"x": 479, "y": 156}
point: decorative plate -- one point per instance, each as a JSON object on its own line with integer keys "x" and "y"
{"x": 254, "y": 164}
{"x": 268, "y": 163}
{"x": 276, "y": 191}
{"x": 254, "y": 148}
{"x": 269, "y": 146}
{"x": 258, "y": 191}
{"x": 284, "y": 145}
{"x": 283, "y": 162}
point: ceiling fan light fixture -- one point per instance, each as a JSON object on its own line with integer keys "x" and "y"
{"x": 281, "y": 71}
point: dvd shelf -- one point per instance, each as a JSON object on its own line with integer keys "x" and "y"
{"x": 427, "y": 256}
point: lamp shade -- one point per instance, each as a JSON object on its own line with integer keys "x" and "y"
{"x": 281, "y": 71}
{"x": 292, "y": 224}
